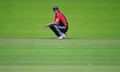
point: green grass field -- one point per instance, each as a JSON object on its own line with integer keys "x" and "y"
{"x": 92, "y": 43}
{"x": 51, "y": 55}
{"x": 87, "y": 18}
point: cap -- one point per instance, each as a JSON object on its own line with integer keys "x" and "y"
{"x": 55, "y": 8}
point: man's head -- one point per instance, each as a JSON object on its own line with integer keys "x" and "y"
{"x": 55, "y": 9}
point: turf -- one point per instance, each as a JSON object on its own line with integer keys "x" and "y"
{"x": 48, "y": 68}
{"x": 69, "y": 55}
{"x": 87, "y": 18}
{"x": 92, "y": 43}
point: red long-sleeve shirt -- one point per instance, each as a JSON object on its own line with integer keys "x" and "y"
{"x": 62, "y": 19}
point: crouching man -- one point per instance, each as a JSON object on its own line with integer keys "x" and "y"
{"x": 59, "y": 25}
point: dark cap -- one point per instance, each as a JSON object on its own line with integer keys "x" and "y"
{"x": 55, "y": 8}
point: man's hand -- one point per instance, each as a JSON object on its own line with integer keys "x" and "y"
{"x": 47, "y": 25}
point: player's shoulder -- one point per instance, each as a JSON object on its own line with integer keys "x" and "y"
{"x": 59, "y": 14}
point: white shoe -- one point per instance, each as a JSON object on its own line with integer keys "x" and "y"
{"x": 62, "y": 36}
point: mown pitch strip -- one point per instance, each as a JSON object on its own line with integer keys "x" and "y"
{"x": 50, "y": 55}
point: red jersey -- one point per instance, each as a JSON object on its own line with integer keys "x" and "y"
{"x": 62, "y": 19}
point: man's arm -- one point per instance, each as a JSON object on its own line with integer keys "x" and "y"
{"x": 55, "y": 22}
{"x": 47, "y": 25}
